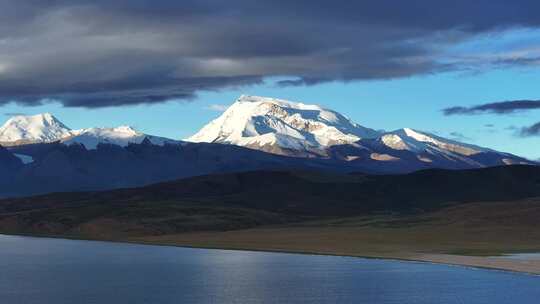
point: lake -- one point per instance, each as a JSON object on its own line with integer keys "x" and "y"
{"x": 44, "y": 270}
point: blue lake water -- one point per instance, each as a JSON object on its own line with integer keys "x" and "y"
{"x": 41, "y": 270}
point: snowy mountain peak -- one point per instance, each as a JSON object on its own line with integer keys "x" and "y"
{"x": 121, "y": 131}
{"x": 33, "y": 128}
{"x": 414, "y": 140}
{"x": 273, "y": 124}
{"x": 278, "y": 102}
{"x": 121, "y": 136}
{"x": 45, "y": 128}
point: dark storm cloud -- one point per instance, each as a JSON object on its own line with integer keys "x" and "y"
{"x": 533, "y": 130}
{"x": 111, "y": 53}
{"x": 528, "y": 61}
{"x": 502, "y": 107}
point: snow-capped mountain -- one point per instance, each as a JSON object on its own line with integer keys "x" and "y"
{"x": 407, "y": 150}
{"x": 35, "y": 128}
{"x": 45, "y": 128}
{"x": 281, "y": 127}
{"x": 297, "y": 129}
{"x": 121, "y": 136}
{"x": 418, "y": 142}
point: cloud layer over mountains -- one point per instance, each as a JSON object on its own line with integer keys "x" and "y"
{"x": 110, "y": 53}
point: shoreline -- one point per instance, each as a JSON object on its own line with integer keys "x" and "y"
{"x": 436, "y": 259}
{"x": 492, "y": 263}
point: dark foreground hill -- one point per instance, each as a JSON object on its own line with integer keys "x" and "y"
{"x": 57, "y": 167}
{"x": 250, "y": 199}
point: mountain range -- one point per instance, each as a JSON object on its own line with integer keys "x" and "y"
{"x": 296, "y": 129}
{"x": 45, "y": 128}
{"x": 40, "y": 154}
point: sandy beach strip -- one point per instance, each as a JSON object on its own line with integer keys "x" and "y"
{"x": 526, "y": 265}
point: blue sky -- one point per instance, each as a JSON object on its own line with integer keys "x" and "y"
{"x": 414, "y": 102}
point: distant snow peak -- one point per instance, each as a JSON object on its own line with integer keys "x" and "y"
{"x": 121, "y": 131}
{"x": 275, "y": 101}
{"x": 33, "y": 128}
{"x": 413, "y": 140}
{"x": 121, "y": 136}
{"x": 44, "y": 128}
{"x": 276, "y": 123}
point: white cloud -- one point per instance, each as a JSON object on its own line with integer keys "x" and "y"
{"x": 217, "y": 107}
